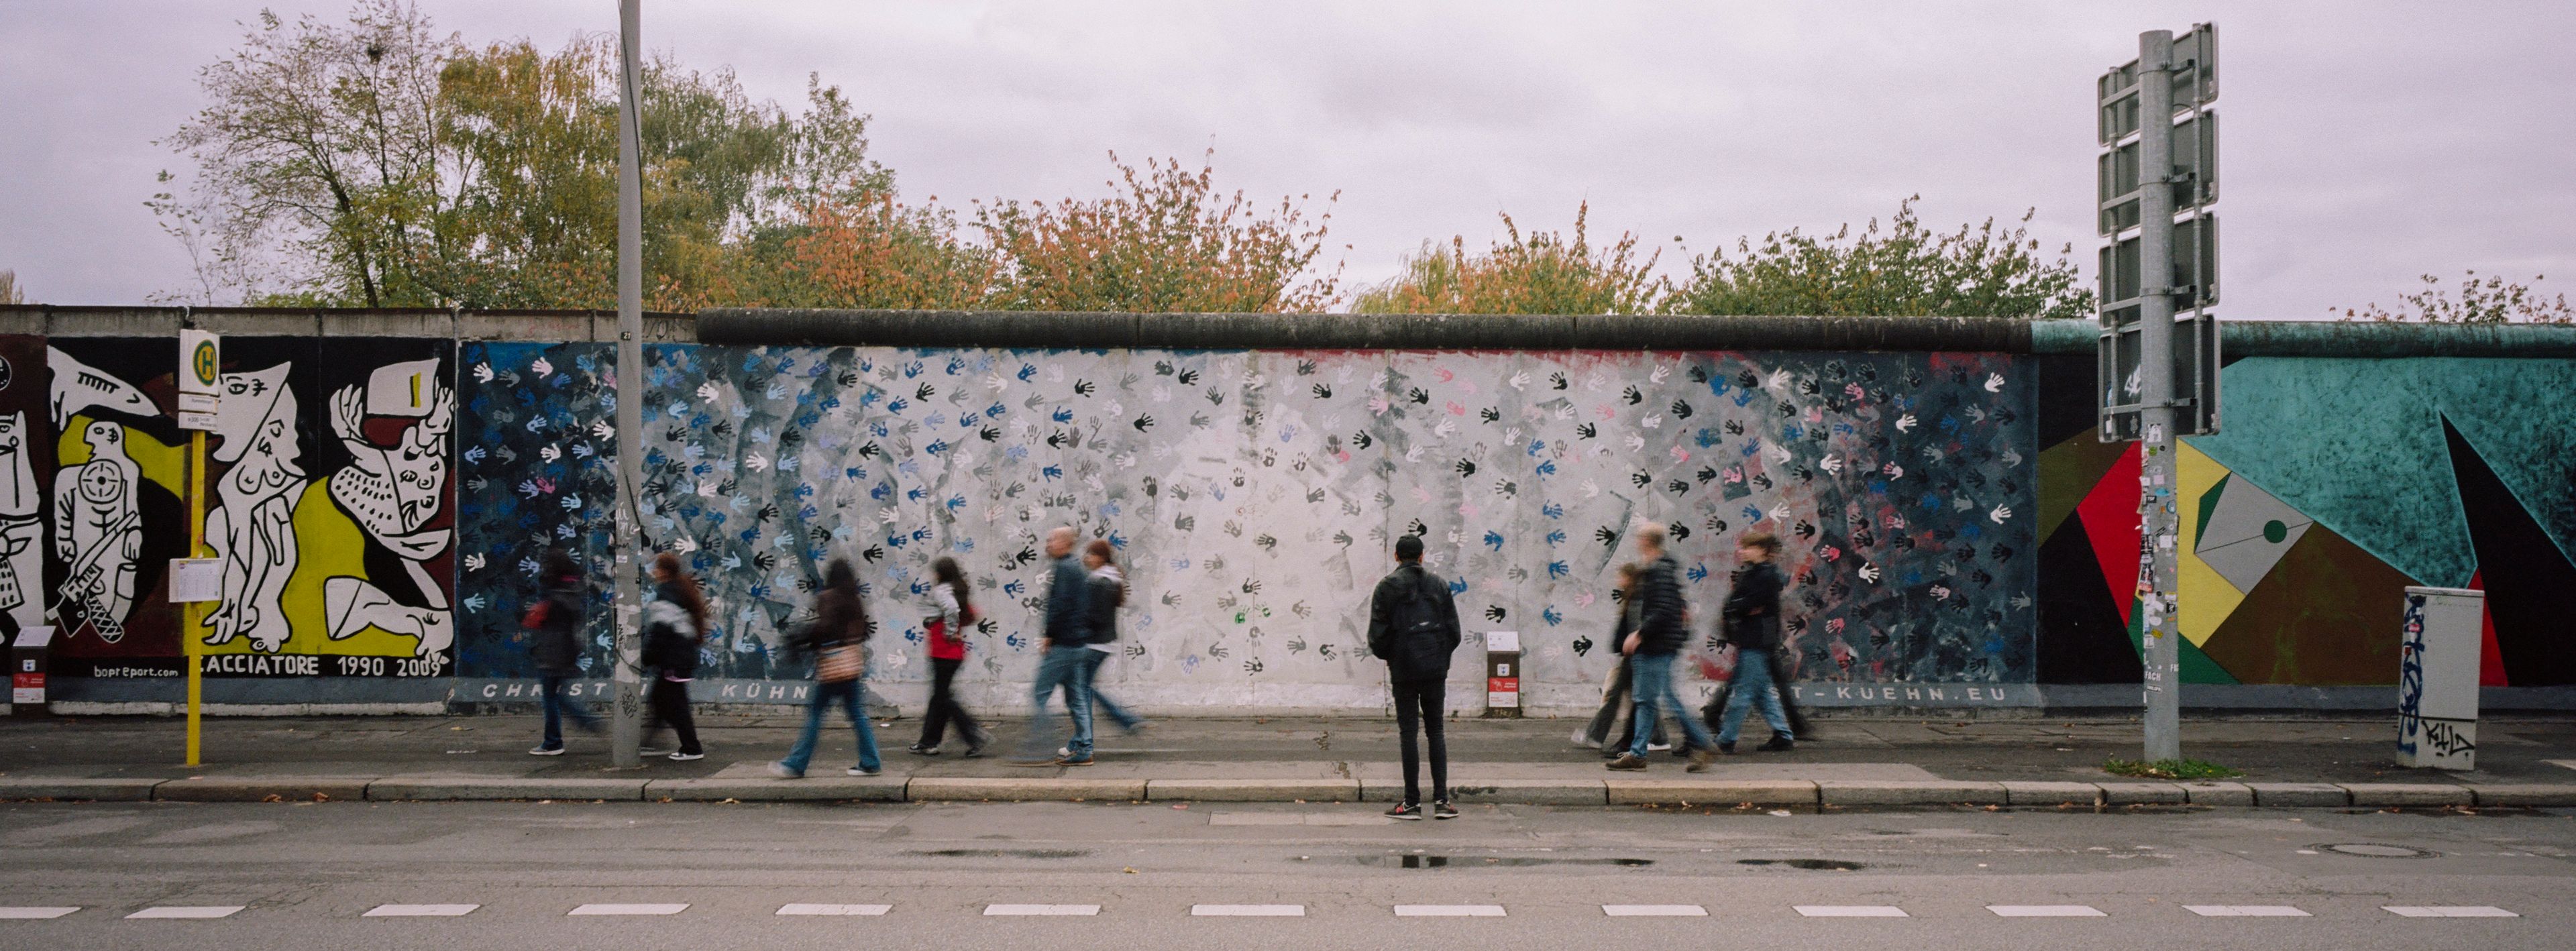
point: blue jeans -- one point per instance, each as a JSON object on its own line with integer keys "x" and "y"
{"x": 1651, "y": 682}
{"x": 558, "y": 706}
{"x": 1091, "y": 686}
{"x": 853, "y": 697}
{"x": 1062, "y": 667}
{"x": 1753, "y": 685}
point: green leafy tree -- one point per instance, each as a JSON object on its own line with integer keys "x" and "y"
{"x": 1904, "y": 269}
{"x": 1167, "y": 241}
{"x": 2489, "y": 300}
{"x": 1540, "y": 273}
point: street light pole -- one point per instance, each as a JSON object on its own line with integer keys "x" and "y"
{"x": 628, "y": 670}
{"x": 2158, "y": 515}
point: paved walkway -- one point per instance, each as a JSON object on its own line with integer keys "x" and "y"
{"x": 1852, "y": 762}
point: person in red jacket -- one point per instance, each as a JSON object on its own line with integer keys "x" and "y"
{"x": 953, "y": 614}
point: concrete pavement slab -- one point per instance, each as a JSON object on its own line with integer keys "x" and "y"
{"x": 2271, "y": 795}
{"x": 1252, "y": 790}
{"x": 1916, "y": 793}
{"x": 752, "y": 782}
{"x": 453, "y": 787}
{"x": 2142, "y": 794}
{"x": 2525, "y": 794}
{"x": 2041, "y": 793}
{"x": 1486, "y": 788}
{"x": 1038, "y": 787}
{"x": 1687, "y": 788}
{"x": 2409, "y": 794}
{"x": 2219, "y": 794}
{"x": 251, "y": 788}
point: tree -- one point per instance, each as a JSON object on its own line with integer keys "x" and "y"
{"x": 1542, "y": 273}
{"x": 1906, "y": 270}
{"x": 1168, "y": 242}
{"x": 11, "y": 292}
{"x": 870, "y": 251}
{"x": 2491, "y": 300}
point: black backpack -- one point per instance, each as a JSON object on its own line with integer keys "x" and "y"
{"x": 1421, "y": 649}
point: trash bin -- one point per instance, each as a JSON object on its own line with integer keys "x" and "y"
{"x": 2437, "y": 678}
{"x": 27, "y": 670}
{"x": 1502, "y": 673}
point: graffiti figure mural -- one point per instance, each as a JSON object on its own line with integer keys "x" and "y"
{"x": 393, "y": 493}
{"x": 98, "y": 528}
{"x": 252, "y": 529}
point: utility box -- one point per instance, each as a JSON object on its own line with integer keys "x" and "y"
{"x": 1502, "y": 673}
{"x": 27, "y": 670}
{"x": 2437, "y": 678}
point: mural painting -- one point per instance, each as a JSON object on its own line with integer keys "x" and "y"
{"x": 329, "y": 507}
{"x": 538, "y": 459}
{"x": 1254, "y": 495}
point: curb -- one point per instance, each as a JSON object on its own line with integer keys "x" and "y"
{"x": 76, "y": 788}
{"x": 809, "y": 789}
{"x": 1919, "y": 793}
{"x": 262, "y": 789}
{"x": 1254, "y": 790}
{"x": 463, "y": 788}
{"x": 1670, "y": 792}
{"x": 1035, "y": 788}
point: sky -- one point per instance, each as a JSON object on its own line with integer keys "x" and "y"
{"x": 2364, "y": 142}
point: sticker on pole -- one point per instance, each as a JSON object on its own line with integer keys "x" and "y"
{"x": 196, "y": 579}
{"x": 201, "y": 371}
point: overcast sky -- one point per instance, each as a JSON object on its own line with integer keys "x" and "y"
{"x": 2365, "y": 142}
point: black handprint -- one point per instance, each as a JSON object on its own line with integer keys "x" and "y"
{"x": 1144, "y": 423}
{"x": 1323, "y": 392}
{"x": 1189, "y": 377}
{"x": 1419, "y": 395}
{"x": 1494, "y": 612}
{"x": 1681, "y": 410}
{"x": 925, "y": 392}
{"x": 1586, "y": 431}
{"x": 1607, "y": 537}
{"x": 1080, "y": 387}
{"x": 1632, "y": 396}
{"x": 1466, "y": 468}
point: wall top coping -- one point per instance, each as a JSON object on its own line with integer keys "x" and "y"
{"x": 1046, "y": 329}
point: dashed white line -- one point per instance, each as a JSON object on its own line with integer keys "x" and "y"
{"x": 630, "y": 909}
{"x": 419, "y": 911}
{"x": 1449, "y": 911}
{"x": 188, "y": 911}
{"x": 1851, "y": 911}
{"x": 2449, "y": 911}
{"x": 794, "y": 908}
{"x": 1073, "y": 910}
{"x": 37, "y": 913}
{"x": 2245, "y": 911}
{"x": 1247, "y": 911}
{"x": 2046, "y": 911}
{"x": 1654, "y": 911}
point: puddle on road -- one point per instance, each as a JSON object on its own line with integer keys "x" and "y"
{"x": 1812, "y": 865}
{"x": 1002, "y": 853}
{"x": 1486, "y": 861}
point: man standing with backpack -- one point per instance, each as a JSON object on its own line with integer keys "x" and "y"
{"x": 1413, "y": 627}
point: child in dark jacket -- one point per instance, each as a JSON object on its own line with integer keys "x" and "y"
{"x": 1752, "y": 623}
{"x": 673, "y": 623}
{"x": 554, "y": 624}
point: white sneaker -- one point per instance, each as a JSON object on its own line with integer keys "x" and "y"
{"x": 545, "y": 751}
{"x": 1659, "y": 747}
{"x": 1063, "y": 751}
{"x": 862, "y": 771}
{"x": 781, "y": 771}
{"x": 685, "y": 757}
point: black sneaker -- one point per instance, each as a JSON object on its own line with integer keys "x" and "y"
{"x": 1631, "y": 761}
{"x": 920, "y": 750}
{"x": 1441, "y": 809}
{"x": 1778, "y": 744}
{"x": 1727, "y": 747}
{"x": 1406, "y": 810}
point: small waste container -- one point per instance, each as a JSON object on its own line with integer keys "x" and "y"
{"x": 1502, "y": 673}
{"x": 2437, "y": 678}
{"x": 27, "y": 670}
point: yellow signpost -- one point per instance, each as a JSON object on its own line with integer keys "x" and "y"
{"x": 200, "y": 393}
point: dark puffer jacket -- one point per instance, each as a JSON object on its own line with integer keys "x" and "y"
{"x": 1663, "y": 625}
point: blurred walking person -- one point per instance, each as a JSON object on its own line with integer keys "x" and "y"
{"x": 952, "y": 615}
{"x": 673, "y": 624}
{"x": 1066, "y": 641}
{"x": 1608, "y": 731}
{"x": 1108, "y": 592}
{"x": 1751, "y": 622}
{"x": 555, "y": 622}
{"x": 837, "y": 638}
{"x": 1663, "y": 628}
{"x": 1413, "y": 627}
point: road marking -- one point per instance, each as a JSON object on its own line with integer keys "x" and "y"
{"x": 2561, "y": 763}
{"x": 419, "y": 911}
{"x": 840, "y": 910}
{"x": 37, "y": 913}
{"x": 2046, "y": 911}
{"x": 629, "y": 909}
{"x": 2449, "y": 911}
{"x": 1449, "y": 911}
{"x": 1654, "y": 911}
{"x": 2246, "y": 911}
{"x": 1248, "y": 911}
{"x": 188, "y": 911}
{"x": 1851, "y": 911}
{"x": 991, "y": 910}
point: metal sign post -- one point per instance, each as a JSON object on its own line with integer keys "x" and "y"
{"x": 2158, "y": 376}
{"x": 201, "y": 364}
{"x": 627, "y": 715}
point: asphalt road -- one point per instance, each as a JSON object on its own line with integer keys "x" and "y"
{"x": 307, "y": 875}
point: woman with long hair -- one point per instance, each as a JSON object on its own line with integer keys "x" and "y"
{"x": 673, "y": 624}
{"x": 1108, "y": 592}
{"x": 834, "y": 638}
{"x": 952, "y": 614}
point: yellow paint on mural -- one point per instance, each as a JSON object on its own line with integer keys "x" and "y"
{"x": 158, "y": 461}
{"x": 2207, "y": 598}
{"x": 328, "y": 544}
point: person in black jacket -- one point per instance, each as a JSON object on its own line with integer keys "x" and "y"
{"x": 554, "y": 623}
{"x": 1752, "y": 623}
{"x": 1108, "y": 593}
{"x": 1413, "y": 627}
{"x": 834, "y": 640}
{"x": 1663, "y": 627}
{"x": 673, "y": 623}
{"x": 1608, "y": 731}
{"x": 1067, "y": 641}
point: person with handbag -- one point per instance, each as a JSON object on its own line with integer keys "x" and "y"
{"x": 1413, "y": 627}
{"x": 836, "y": 637}
{"x": 953, "y": 615}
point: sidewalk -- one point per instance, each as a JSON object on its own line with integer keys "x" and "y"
{"x": 1854, "y": 762}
